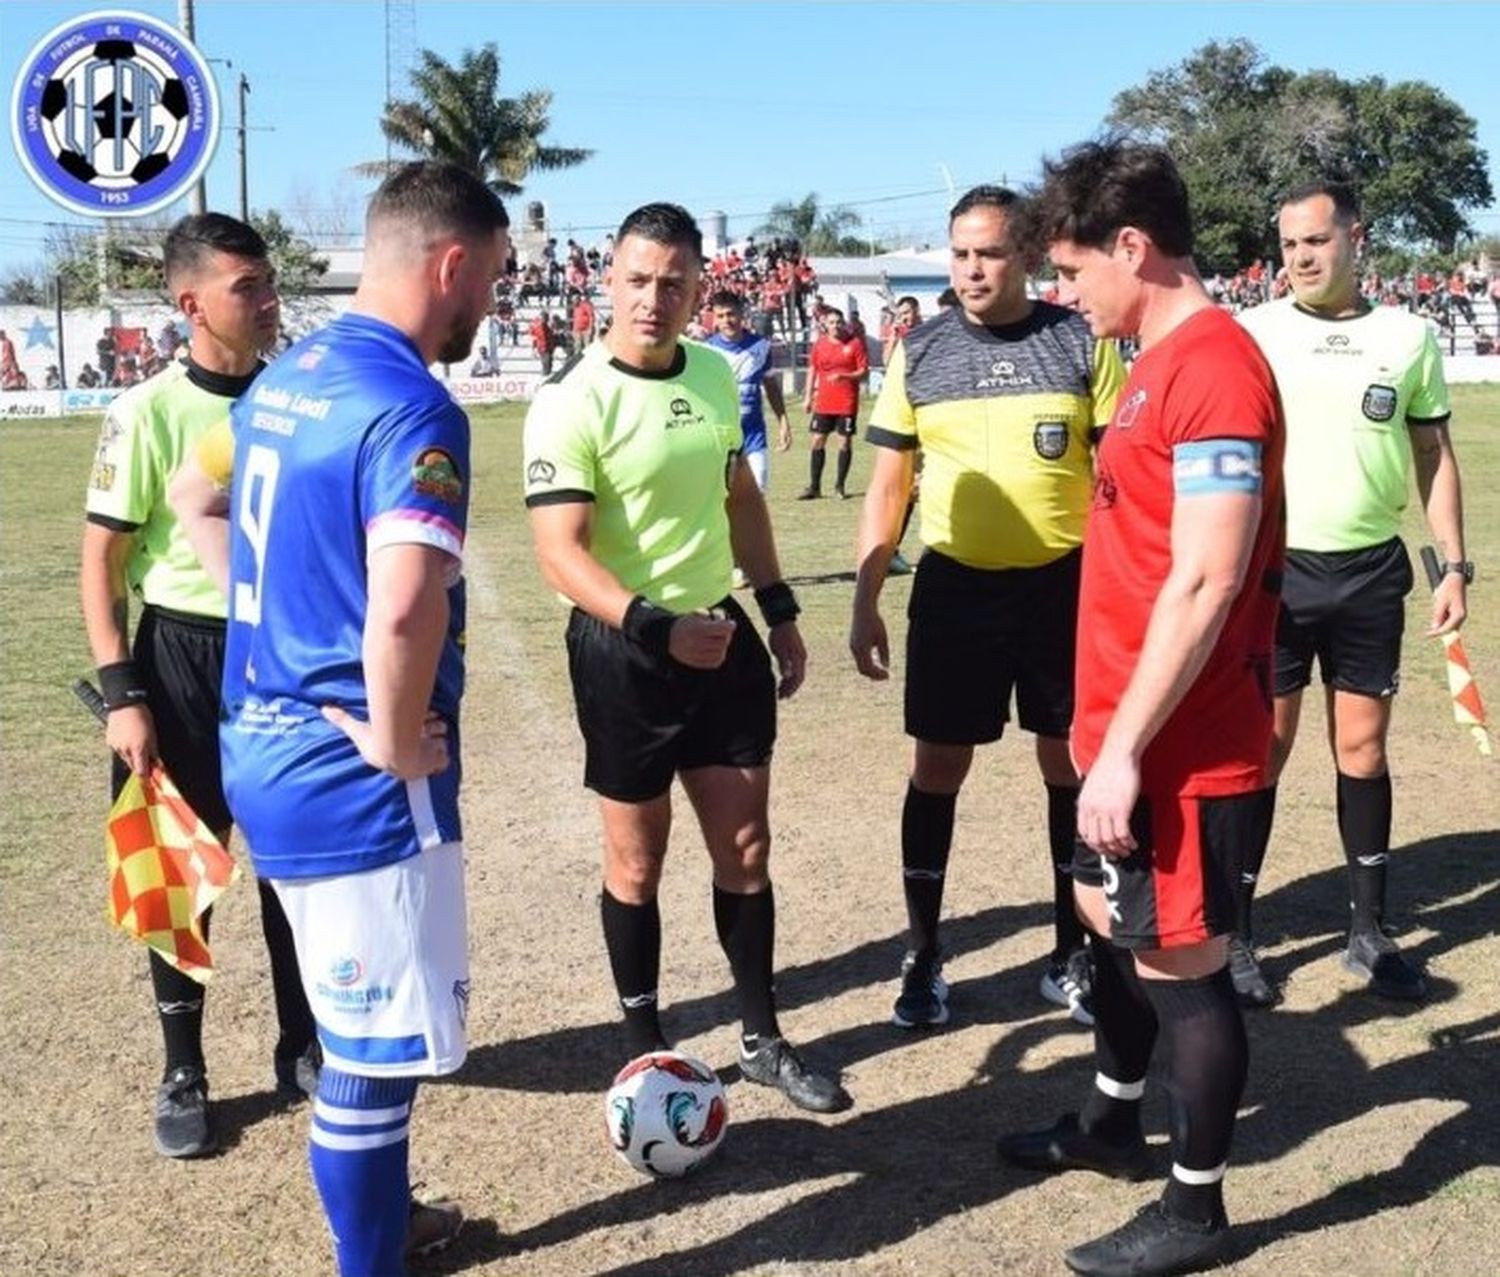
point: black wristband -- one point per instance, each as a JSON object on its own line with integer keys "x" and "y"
{"x": 648, "y": 625}
{"x": 121, "y": 685}
{"x": 777, "y": 603}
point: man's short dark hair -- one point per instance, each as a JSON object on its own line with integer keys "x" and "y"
{"x": 1345, "y": 201}
{"x": 728, "y": 300}
{"x": 191, "y": 240}
{"x": 997, "y": 197}
{"x": 668, "y": 224}
{"x": 909, "y": 300}
{"x": 438, "y": 199}
{"x": 1096, "y": 188}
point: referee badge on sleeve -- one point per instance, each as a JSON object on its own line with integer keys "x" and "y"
{"x": 1050, "y": 439}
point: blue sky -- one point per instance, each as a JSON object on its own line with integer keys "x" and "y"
{"x": 733, "y": 106}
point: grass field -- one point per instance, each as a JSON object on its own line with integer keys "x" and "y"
{"x": 1369, "y": 1140}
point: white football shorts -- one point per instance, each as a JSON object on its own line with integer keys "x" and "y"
{"x": 385, "y": 962}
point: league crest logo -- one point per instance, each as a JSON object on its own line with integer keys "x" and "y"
{"x": 115, "y": 114}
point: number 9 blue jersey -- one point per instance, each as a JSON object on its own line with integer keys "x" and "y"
{"x": 344, "y": 445}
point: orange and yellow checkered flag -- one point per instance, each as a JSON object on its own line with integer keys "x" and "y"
{"x": 165, "y": 869}
{"x": 1468, "y": 709}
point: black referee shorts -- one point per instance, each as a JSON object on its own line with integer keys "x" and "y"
{"x": 645, "y": 718}
{"x": 974, "y": 635}
{"x": 1347, "y": 609}
{"x": 180, "y": 659}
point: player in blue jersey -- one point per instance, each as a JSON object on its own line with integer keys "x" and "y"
{"x": 750, "y": 356}
{"x": 343, "y": 676}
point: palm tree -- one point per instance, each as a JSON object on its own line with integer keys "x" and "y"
{"x": 458, "y": 115}
{"x": 820, "y": 231}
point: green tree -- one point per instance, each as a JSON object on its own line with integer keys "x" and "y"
{"x": 458, "y": 115}
{"x": 297, "y": 262}
{"x": 1242, "y": 131}
{"x": 822, "y": 232}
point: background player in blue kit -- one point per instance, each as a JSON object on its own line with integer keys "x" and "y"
{"x": 750, "y": 357}
{"x": 342, "y": 682}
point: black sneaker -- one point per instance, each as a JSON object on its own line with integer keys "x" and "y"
{"x": 1068, "y": 981}
{"x": 842, "y": 495}
{"x": 298, "y": 1078}
{"x": 432, "y": 1226}
{"x": 1374, "y": 955}
{"x": 1153, "y": 1244}
{"x": 1064, "y": 1146}
{"x": 775, "y": 1062}
{"x": 1250, "y": 983}
{"x": 182, "y": 1126}
{"x": 923, "y": 1002}
{"x": 809, "y": 493}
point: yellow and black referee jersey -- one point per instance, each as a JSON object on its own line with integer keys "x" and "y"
{"x": 1006, "y": 418}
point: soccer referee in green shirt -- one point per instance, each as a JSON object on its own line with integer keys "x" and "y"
{"x": 640, "y": 506}
{"x": 162, "y": 692}
{"x": 1366, "y": 405}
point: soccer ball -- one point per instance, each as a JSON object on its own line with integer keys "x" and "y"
{"x": 665, "y": 1113}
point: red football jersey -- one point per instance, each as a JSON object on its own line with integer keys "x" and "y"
{"x": 1205, "y": 380}
{"x": 837, "y": 398}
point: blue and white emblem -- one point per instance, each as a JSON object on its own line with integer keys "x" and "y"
{"x": 115, "y": 114}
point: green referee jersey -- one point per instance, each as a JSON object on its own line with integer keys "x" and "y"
{"x": 147, "y": 433}
{"x": 1349, "y": 388}
{"x": 653, "y": 453}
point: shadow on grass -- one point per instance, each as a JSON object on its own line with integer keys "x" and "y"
{"x": 904, "y": 1167}
{"x": 585, "y": 1058}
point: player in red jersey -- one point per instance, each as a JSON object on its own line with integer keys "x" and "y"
{"x": 1172, "y": 723}
{"x": 836, "y": 368}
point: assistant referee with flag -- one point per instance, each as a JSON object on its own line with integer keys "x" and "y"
{"x": 162, "y": 692}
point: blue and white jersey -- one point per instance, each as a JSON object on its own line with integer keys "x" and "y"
{"x": 344, "y": 445}
{"x": 750, "y": 357}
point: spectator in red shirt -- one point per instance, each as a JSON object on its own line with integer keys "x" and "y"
{"x": 583, "y": 323}
{"x": 541, "y": 341}
{"x": 908, "y": 315}
{"x": 836, "y": 368}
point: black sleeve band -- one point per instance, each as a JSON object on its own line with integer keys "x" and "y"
{"x": 890, "y": 439}
{"x": 777, "y": 603}
{"x": 559, "y": 496}
{"x": 121, "y": 685}
{"x": 648, "y": 625}
{"x": 106, "y": 521}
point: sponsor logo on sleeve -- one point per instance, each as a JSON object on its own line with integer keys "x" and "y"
{"x": 435, "y": 474}
{"x": 540, "y": 471}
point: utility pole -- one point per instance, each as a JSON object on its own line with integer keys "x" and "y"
{"x": 244, "y": 190}
{"x": 185, "y": 22}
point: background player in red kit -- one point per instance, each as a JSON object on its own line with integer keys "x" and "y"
{"x": 1172, "y": 722}
{"x": 836, "y": 369}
